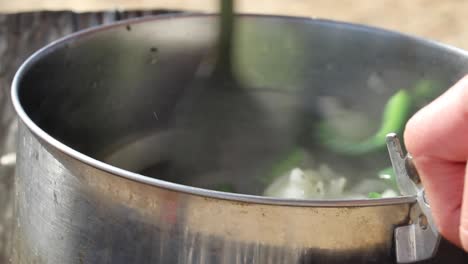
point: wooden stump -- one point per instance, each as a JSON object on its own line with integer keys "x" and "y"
{"x": 20, "y": 36}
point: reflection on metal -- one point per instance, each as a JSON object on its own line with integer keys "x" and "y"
{"x": 414, "y": 242}
{"x": 8, "y": 159}
{"x": 20, "y": 35}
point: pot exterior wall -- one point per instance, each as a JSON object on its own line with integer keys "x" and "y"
{"x": 69, "y": 212}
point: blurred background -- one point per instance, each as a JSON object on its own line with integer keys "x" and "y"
{"x": 440, "y": 20}
{"x": 27, "y": 25}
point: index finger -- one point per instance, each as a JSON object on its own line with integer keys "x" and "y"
{"x": 437, "y": 138}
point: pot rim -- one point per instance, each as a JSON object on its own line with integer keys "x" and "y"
{"x": 38, "y": 132}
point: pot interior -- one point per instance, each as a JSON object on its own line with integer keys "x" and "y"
{"x": 124, "y": 95}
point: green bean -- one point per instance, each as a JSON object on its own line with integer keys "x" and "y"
{"x": 424, "y": 92}
{"x": 396, "y": 113}
{"x": 374, "y": 195}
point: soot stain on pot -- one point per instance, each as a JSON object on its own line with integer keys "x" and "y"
{"x": 55, "y": 198}
{"x": 343, "y": 212}
{"x": 153, "y": 56}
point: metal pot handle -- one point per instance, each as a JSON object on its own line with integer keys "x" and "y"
{"x": 420, "y": 239}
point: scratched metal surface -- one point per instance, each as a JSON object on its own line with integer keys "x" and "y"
{"x": 21, "y": 34}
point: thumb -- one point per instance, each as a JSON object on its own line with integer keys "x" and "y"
{"x": 437, "y": 138}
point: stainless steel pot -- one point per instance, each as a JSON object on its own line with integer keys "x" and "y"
{"x": 95, "y": 110}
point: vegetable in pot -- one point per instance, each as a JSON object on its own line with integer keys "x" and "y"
{"x": 294, "y": 159}
{"x": 388, "y": 175}
{"x": 386, "y": 194}
{"x": 374, "y": 195}
{"x": 307, "y": 184}
{"x": 395, "y": 115}
{"x": 289, "y": 178}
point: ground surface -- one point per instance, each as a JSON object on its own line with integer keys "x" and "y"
{"x": 442, "y": 20}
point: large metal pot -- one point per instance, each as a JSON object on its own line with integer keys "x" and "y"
{"x": 95, "y": 109}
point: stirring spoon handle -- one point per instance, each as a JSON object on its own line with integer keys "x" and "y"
{"x": 223, "y": 66}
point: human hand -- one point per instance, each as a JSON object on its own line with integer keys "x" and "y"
{"x": 437, "y": 138}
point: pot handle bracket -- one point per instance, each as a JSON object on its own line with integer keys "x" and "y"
{"x": 420, "y": 239}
